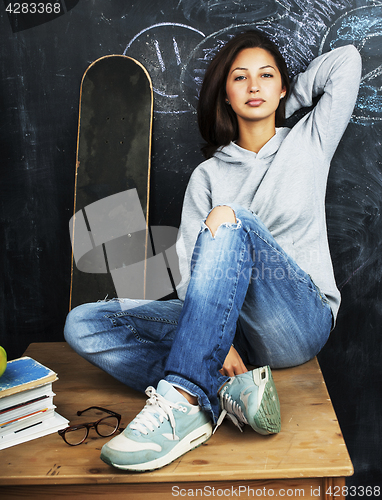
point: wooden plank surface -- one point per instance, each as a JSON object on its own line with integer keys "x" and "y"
{"x": 310, "y": 444}
{"x": 307, "y": 489}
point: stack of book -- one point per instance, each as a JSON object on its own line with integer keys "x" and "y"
{"x": 26, "y": 402}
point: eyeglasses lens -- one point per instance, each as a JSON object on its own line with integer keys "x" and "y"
{"x": 107, "y": 426}
{"x": 75, "y": 436}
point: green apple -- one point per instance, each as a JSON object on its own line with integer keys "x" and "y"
{"x": 3, "y": 360}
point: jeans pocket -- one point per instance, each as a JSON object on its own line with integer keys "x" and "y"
{"x": 316, "y": 289}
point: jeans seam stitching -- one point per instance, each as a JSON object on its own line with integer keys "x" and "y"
{"x": 148, "y": 318}
{"x": 231, "y": 298}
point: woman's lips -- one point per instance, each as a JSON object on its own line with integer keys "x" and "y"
{"x": 255, "y": 102}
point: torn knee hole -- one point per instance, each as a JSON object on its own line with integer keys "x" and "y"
{"x": 222, "y": 214}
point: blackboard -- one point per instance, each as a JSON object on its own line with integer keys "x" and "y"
{"x": 42, "y": 59}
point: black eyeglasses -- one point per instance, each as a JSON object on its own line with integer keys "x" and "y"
{"x": 105, "y": 427}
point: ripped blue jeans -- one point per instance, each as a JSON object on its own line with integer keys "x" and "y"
{"x": 244, "y": 290}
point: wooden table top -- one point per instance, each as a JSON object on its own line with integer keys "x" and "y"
{"x": 309, "y": 445}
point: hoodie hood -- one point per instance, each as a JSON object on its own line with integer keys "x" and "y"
{"x": 235, "y": 155}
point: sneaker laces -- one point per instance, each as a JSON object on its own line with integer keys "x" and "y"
{"x": 156, "y": 410}
{"x": 231, "y": 410}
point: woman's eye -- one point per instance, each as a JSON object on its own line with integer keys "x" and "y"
{"x": 267, "y": 75}
{"x": 241, "y": 77}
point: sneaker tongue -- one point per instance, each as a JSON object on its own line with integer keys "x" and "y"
{"x": 170, "y": 393}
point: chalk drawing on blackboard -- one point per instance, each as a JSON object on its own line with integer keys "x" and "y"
{"x": 162, "y": 48}
{"x": 176, "y": 55}
{"x": 362, "y": 27}
{"x": 228, "y": 11}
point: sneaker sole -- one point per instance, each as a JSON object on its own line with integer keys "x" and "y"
{"x": 267, "y": 419}
{"x": 188, "y": 443}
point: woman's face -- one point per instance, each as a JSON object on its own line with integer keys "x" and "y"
{"x": 254, "y": 86}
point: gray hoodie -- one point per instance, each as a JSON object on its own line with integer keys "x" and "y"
{"x": 285, "y": 182}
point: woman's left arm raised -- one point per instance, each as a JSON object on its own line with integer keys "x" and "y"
{"x": 335, "y": 76}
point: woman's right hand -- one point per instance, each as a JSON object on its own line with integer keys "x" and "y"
{"x": 233, "y": 364}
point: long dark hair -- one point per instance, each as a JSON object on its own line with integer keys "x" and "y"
{"x": 217, "y": 121}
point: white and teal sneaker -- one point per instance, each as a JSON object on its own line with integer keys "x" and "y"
{"x": 251, "y": 398}
{"x": 166, "y": 428}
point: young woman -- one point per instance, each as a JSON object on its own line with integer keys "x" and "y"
{"x": 257, "y": 280}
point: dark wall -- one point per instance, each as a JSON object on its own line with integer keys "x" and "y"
{"x": 42, "y": 60}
